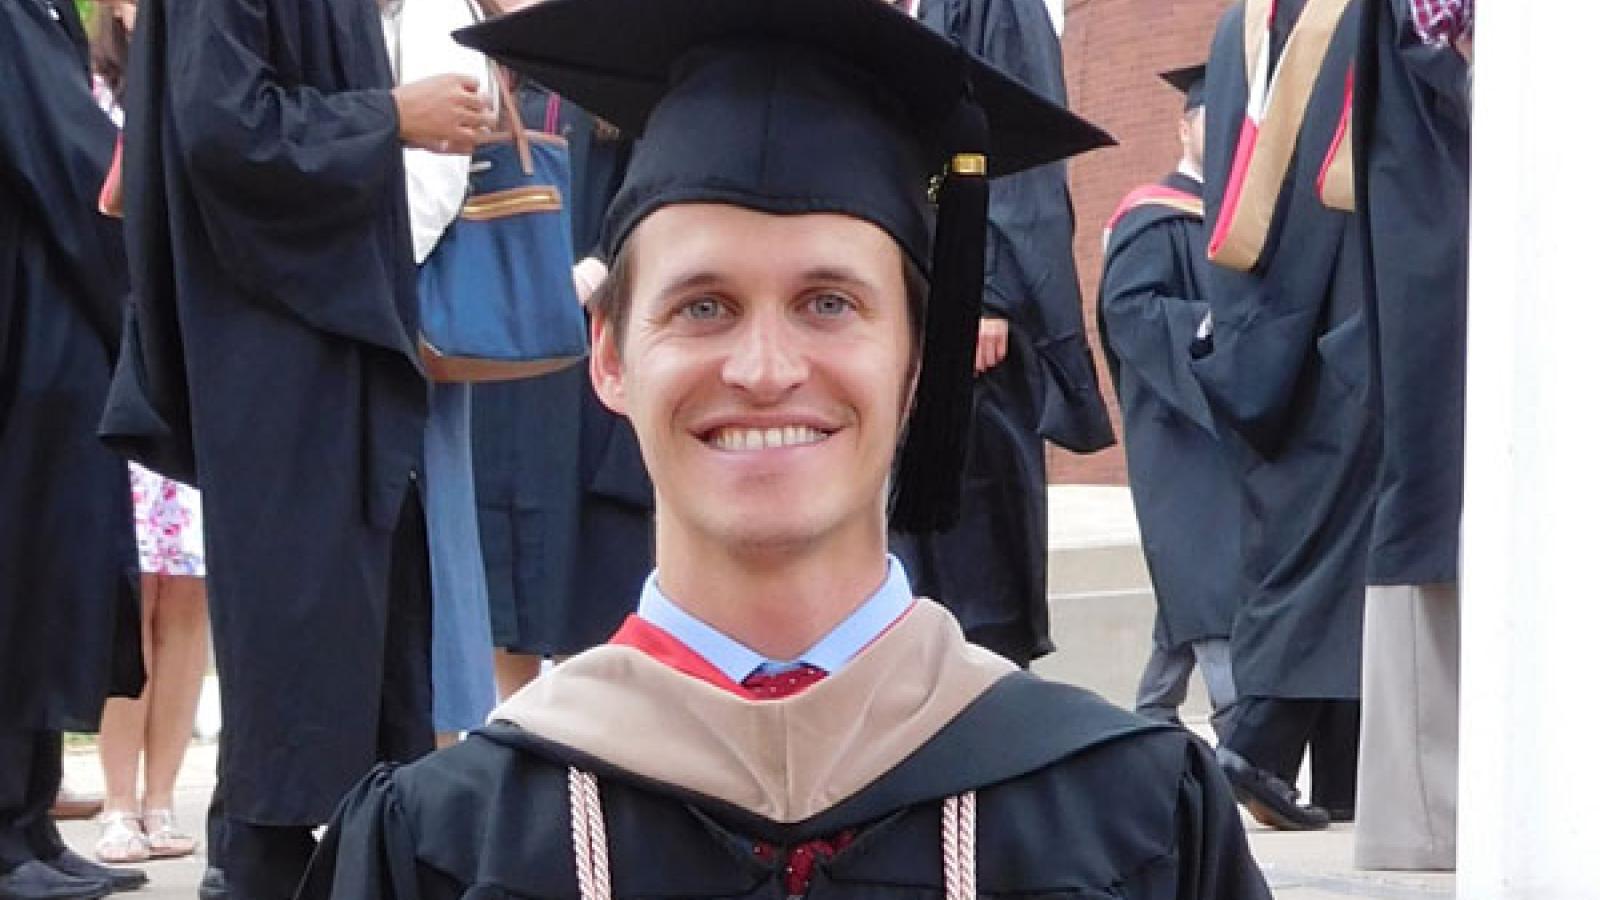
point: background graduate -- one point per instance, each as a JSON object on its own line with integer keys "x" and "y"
{"x": 275, "y": 364}
{"x": 69, "y": 603}
{"x": 1288, "y": 377}
{"x": 1185, "y": 492}
{"x": 1413, "y": 129}
{"x": 782, "y": 717}
{"x": 1035, "y": 379}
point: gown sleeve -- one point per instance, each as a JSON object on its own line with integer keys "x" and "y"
{"x": 1215, "y": 856}
{"x": 55, "y": 149}
{"x": 1148, "y": 324}
{"x": 296, "y": 187}
{"x": 368, "y": 852}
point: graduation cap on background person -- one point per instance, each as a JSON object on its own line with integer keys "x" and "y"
{"x": 805, "y": 106}
{"x": 1190, "y": 81}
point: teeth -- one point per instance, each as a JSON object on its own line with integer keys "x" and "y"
{"x": 765, "y": 438}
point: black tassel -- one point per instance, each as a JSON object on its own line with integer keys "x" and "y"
{"x": 927, "y": 490}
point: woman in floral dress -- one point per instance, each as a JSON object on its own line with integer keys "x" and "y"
{"x": 167, "y": 516}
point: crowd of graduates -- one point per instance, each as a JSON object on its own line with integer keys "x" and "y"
{"x": 212, "y": 223}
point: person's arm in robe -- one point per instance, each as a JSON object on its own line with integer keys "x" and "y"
{"x": 292, "y": 184}
{"x": 55, "y": 150}
{"x": 1214, "y": 855}
{"x": 436, "y": 183}
{"x": 1147, "y": 324}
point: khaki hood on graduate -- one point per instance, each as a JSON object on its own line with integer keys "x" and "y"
{"x": 784, "y": 760}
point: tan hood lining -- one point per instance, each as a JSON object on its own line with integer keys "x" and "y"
{"x": 784, "y": 760}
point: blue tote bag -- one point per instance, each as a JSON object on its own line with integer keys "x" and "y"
{"x": 497, "y": 301}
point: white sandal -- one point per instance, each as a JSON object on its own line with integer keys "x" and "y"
{"x": 163, "y": 836}
{"x": 122, "y": 839}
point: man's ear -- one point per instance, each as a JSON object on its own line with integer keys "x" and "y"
{"x": 605, "y": 365}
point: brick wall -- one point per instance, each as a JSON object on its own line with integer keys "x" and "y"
{"x": 1113, "y": 50}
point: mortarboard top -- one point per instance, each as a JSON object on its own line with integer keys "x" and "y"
{"x": 1190, "y": 81}
{"x": 799, "y": 106}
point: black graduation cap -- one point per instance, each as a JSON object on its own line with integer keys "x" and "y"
{"x": 1191, "y": 82}
{"x": 798, "y": 106}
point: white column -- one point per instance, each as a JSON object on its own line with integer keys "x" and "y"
{"x": 1530, "y": 735}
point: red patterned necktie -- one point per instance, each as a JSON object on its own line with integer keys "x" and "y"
{"x": 802, "y": 858}
{"x": 777, "y": 685}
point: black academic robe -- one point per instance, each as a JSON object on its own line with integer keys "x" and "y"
{"x": 565, "y": 507}
{"x": 1413, "y": 161}
{"x": 69, "y": 572}
{"x": 272, "y": 265}
{"x": 1185, "y": 492}
{"x": 990, "y": 569}
{"x": 1288, "y": 376}
{"x": 1080, "y": 800}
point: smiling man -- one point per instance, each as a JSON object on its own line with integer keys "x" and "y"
{"x": 787, "y": 321}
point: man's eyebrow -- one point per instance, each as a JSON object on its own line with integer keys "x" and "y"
{"x": 704, "y": 279}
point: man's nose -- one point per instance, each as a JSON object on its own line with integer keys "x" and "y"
{"x": 766, "y": 360}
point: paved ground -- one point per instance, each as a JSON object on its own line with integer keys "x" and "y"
{"x": 1097, "y": 583}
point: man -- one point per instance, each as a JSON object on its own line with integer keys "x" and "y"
{"x": 1288, "y": 378}
{"x": 1185, "y": 493}
{"x": 782, "y": 718}
{"x": 1413, "y": 161}
{"x": 69, "y": 604}
{"x": 1034, "y": 375}
{"x": 276, "y": 358}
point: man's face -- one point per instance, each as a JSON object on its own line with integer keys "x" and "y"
{"x": 764, "y": 363}
{"x": 1193, "y": 135}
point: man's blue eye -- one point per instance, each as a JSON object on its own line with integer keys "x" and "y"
{"x": 830, "y": 304}
{"x": 703, "y": 308}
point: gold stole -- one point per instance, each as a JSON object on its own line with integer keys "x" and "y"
{"x": 1273, "y": 119}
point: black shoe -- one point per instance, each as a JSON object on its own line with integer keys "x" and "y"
{"x": 1341, "y": 813}
{"x": 1270, "y": 800}
{"x": 33, "y": 880}
{"x": 69, "y": 863}
{"x": 213, "y": 885}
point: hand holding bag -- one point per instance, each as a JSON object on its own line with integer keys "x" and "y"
{"x": 497, "y": 299}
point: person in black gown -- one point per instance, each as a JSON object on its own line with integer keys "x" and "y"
{"x": 1185, "y": 492}
{"x": 1288, "y": 377}
{"x": 69, "y": 602}
{"x": 274, "y": 364}
{"x": 1034, "y": 378}
{"x": 782, "y": 717}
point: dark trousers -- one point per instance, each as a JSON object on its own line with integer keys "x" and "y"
{"x": 1274, "y": 733}
{"x": 265, "y": 862}
{"x": 30, "y": 776}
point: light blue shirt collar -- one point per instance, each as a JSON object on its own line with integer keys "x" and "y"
{"x": 739, "y": 662}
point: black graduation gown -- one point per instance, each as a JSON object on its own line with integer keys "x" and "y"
{"x": 1289, "y": 378}
{"x": 990, "y": 569}
{"x": 1413, "y": 160}
{"x": 1185, "y": 492}
{"x": 272, "y": 264}
{"x": 1081, "y": 800}
{"x": 565, "y": 508}
{"x": 69, "y": 604}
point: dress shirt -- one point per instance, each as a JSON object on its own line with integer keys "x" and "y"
{"x": 738, "y": 662}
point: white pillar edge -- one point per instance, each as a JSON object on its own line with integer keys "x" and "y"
{"x": 1530, "y": 743}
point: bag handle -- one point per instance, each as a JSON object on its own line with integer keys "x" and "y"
{"x": 510, "y": 116}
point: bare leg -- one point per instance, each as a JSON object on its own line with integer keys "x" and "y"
{"x": 443, "y": 739}
{"x": 513, "y": 670}
{"x": 122, "y": 737}
{"x": 122, "y": 725}
{"x": 180, "y": 641}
